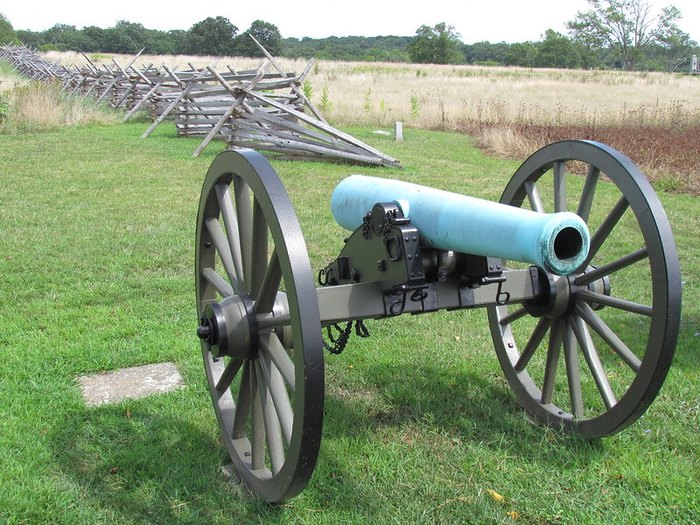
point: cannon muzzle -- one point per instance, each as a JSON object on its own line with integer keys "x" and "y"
{"x": 557, "y": 242}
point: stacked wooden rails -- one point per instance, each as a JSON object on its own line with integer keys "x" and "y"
{"x": 29, "y": 63}
{"x": 263, "y": 108}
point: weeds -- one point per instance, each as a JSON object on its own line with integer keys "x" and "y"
{"x": 443, "y": 114}
{"x": 507, "y": 142}
{"x": 368, "y": 101}
{"x": 308, "y": 89}
{"x": 415, "y": 106}
{"x": 325, "y": 106}
{"x": 37, "y": 106}
{"x": 4, "y": 108}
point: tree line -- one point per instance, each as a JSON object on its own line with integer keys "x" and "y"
{"x": 216, "y": 36}
{"x": 612, "y": 34}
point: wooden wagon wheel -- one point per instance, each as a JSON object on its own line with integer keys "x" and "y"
{"x": 259, "y": 325}
{"x": 616, "y": 319}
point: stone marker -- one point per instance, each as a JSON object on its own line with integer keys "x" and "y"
{"x": 129, "y": 383}
{"x": 398, "y": 131}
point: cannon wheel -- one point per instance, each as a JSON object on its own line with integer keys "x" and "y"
{"x": 259, "y": 324}
{"x": 615, "y": 319}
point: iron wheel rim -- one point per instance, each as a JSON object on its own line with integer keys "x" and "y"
{"x": 246, "y": 171}
{"x": 665, "y": 290}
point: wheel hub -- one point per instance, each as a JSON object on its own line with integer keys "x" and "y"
{"x": 559, "y": 294}
{"x": 599, "y": 286}
{"x": 228, "y": 328}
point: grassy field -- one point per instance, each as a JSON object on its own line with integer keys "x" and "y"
{"x": 653, "y": 117}
{"x": 96, "y": 257}
{"x": 446, "y": 97}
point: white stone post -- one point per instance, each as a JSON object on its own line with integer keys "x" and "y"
{"x": 398, "y": 131}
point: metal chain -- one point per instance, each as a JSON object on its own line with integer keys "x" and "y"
{"x": 340, "y": 340}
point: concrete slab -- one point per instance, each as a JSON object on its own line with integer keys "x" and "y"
{"x": 129, "y": 383}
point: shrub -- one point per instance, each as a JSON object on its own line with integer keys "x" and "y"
{"x": 4, "y": 108}
{"x": 37, "y": 106}
{"x": 326, "y": 106}
{"x": 308, "y": 89}
{"x": 415, "y": 106}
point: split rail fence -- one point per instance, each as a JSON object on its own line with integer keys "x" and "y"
{"x": 264, "y": 108}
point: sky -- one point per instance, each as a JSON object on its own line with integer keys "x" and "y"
{"x": 475, "y": 20}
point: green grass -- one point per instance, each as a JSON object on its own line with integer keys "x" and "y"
{"x": 96, "y": 257}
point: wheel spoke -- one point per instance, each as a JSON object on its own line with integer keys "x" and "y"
{"x": 550, "y": 370}
{"x": 221, "y": 245}
{"x": 273, "y": 349}
{"x": 222, "y": 401}
{"x": 243, "y": 404}
{"x": 258, "y": 250}
{"x": 537, "y": 335}
{"x": 218, "y": 282}
{"x": 280, "y": 397}
{"x": 266, "y": 321}
{"x": 559, "y": 186}
{"x": 513, "y": 316}
{"x": 273, "y": 432}
{"x": 573, "y": 372}
{"x": 533, "y": 196}
{"x": 604, "y": 331}
{"x": 258, "y": 423}
{"x": 270, "y": 286}
{"x": 231, "y": 223}
{"x": 245, "y": 226}
{"x": 232, "y": 368}
{"x": 614, "y": 266}
{"x": 615, "y": 302}
{"x": 585, "y": 341}
{"x": 586, "y": 202}
{"x": 605, "y": 228}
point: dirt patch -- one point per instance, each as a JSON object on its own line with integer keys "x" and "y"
{"x": 670, "y": 157}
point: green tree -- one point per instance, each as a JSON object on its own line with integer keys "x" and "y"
{"x": 30, "y": 38}
{"x": 7, "y": 33}
{"x": 392, "y": 48}
{"x": 264, "y": 32}
{"x": 557, "y": 51}
{"x": 486, "y": 52}
{"x": 93, "y": 38}
{"x": 436, "y": 45}
{"x": 676, "y": 47}
{"x": 522, "y": 54}
{"x": 61, "y": 36}
{"x": 177, "y": 39}
{"x": 119, "y": 39}
{"x": 211, "y": 36}
{"x": 626, "y": 27}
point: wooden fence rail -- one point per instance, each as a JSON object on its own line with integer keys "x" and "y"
{"x": 264, "y": 108}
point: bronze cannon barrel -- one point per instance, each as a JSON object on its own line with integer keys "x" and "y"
{"x": 557, "y": 242}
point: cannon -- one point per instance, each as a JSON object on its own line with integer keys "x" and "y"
{"x": 576, "y": 266}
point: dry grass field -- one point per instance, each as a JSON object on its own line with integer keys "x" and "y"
{"x": 652, "y": 117}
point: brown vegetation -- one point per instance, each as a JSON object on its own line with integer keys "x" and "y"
{"x": 669, "y": 156}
